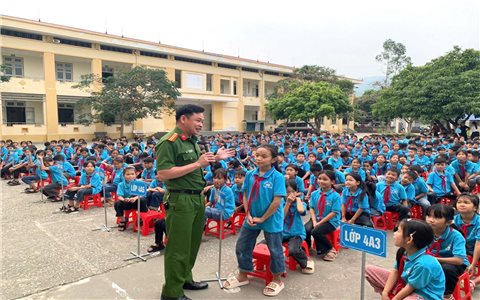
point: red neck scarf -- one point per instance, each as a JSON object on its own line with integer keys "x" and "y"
{"x": 349, "y": 205}
{"x": 387, "y": 193}
{"x": 254, "y": 191}
{"x": 321, "y": 205}
{"x": 464, "y": 229}
{"x": 462, "y": 171}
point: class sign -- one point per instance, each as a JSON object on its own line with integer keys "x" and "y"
{"x": 363, "y": 239}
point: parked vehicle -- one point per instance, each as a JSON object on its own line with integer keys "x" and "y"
{"x": 294, "y": 126}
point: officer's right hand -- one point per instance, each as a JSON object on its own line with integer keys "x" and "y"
{"x": 206, "y": 159}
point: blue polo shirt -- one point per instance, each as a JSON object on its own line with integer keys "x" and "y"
{"x": 300, "y": 186}
{"x": 38, "y": 170}
{"x": 410, "y": 192}
{"x": 420, "y": 186}
{"x": 397, "y": 193}
{"x": 57, "y": 175}
{"x": 339, "y": 177}
{"x": 473, "y": 231}
{"x": 424, "y": 162}
{"x": 333, "y": 203}
{"x": 148, "y": 173}
{"x": 225, "y": 200}
{"x": 293, "y": 223}
{"x": 424, "y": 273}
{"x": 93, "y": 180}
{"x": 397, "y": 166}
{"x": 357, "y": 201}
{"x": 469, "y": 167}
{"x": 155, "y": 183}
{"x": 452, "y": 245}
{"x": 237, "y": 191}
{"x": 10, "y": 157}
{"x": 360, "y": 172}
{"x": 118, "y": 176}
{"x": 69, "y": 169}
{"x": 124, "y": 189}
{"x": 272, "y": 185}
{"x": 336, "y": 163}
{"x": 435, "y": 181}
{"x": 380, "y": 170}
{"x": 313, "y": 181}
{"x": 304, "y": 166}
{"x": 365, "y": 158}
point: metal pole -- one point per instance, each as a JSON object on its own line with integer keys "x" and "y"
{"x": 104, "y": 227}
{"x": 218, "y": 276}
{"x": 362, "y": 283}
{"x": 138, "y": 255}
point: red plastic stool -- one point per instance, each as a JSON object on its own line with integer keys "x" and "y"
{"x": 228, "y": 227}
{"x": 96, "y": 201}
{"x": 41, "y": 183}
{"x": 334, "y": 238}
{"x": 114, "y": 196}
{"x": 290, "y": 261}
{"x": 470, "y": 258}
{"x": 416, "y": 212}
{"x": 462, "y": 289}
{"x": 476, "y": 189}
{"x": 130, "y": 214}
{"x": 379, "y": 222}
{"x": 445, "y": 201}
{"x": 261, "y": 264}
{"x": 147, "y": 221}
{"x": 239, "y": 218}
{"x": 391, "y": 219}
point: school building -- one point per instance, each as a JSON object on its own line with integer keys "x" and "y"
{"x": 45, "y": 60}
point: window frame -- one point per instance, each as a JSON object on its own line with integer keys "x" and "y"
{"x": 63, "y": 71}
{"x": 12, "y": 66}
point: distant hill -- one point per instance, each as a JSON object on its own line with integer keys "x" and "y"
{"x": 367, "y": 85}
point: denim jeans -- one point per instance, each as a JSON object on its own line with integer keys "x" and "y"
{"x": 30, "y": 179}
{"x": 109, "y": 188}
{"x": 246, "y": 243}
{"x": 212, "y": 213}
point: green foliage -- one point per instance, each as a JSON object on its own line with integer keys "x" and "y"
{"x": 310, "y": 100}
{"x": 3, "y": 77}
{"x": 394, "y": 58}
{"x": 444, "y": 90}
{"x": 364, "y": 105}
{"x": 129, "y": 95}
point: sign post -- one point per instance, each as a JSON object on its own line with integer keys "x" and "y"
{"x": 138, "y": 188}
{"x": 366, "y": 240}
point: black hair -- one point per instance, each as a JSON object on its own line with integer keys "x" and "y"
{"x": 328, "y": 167}
{"x": 274, "y": 152}
{"x": 440, "y": 160}
{"x": 412, "y": 174}
{"x": 188, "y": 110}
{"x": 394, "y": 170}
{"x": 315, "y": 168}
{"x": 293, "y": 166}
{"x": 85, "y": 164}
{"x": 362, "y": 184}
{"x": 128, "y": 168}
{"x": 300, "y": 153}
{"x": 441, "y": 211}
{"x": 234, "y": 163}
{"x": 473, "y": 198}
{"x": 220, "y": 173}
{"x": 416, "y": 168}
{"x": 148, "y": 160}
{"x": 330, "y": 174}
{"x": 58, "y": 157}
{"x": 421, "y": 233}
{"x": 240, "y": 173}
{"x": 292, "y": 183}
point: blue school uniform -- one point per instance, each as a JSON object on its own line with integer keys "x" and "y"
{"x": 435, "y": 181}
{"x": 42, "y": 174}
{"x": 155, "y": 183}
{"x": 293, "y": 223}
{"x": 93, "y": 180}
{"x": 365, "y": 158}
{"x": 273, "y": 184}
{"x": 469, "y": 167}
{"x": 380, "y": 170}
{"x": 313, "y": 182}
{"x": 57, "y": 175}
{"x": 333, "y": 203}
{"x": 335, "y": 163}
{"x": 397, "y": 166}
{"x": 225, "y": 200}
{"x": 237, "y": 194}
{"x": 424, "y": 273}
{"x": 471, "y": 232}
{"x": 124, "y": 189}
{"x": 410, "y": 192}
{"x": 304, "y": 166}
{"x": 148, "y": 173}
{"x": 357, "y": 202}
{"x": 68, "y": 168}
{"x": 10, "y": 157}
{"x": 452, "y": 244}
{"x": 397, "y": 193}
{"x": 117, "y": 175}
{"x": 339, "y": 177}
{"x": 424, "y": 162}
{"x": 360, "y": 172}
{"x": 420, "y": 186}
{"x": 300, "y": 185}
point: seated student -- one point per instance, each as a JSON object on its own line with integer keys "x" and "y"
{"x": 463, "y": 168}
{"x": 155, "y": 193}
{"x": 380, "y": 167}
{"x": 148, "y": 173}
{"x": 22, "y": 167}
{"x": 126, "y": 201}
{"x": 313, "y": 184}
{"x": 221, "y": 200}
{"x": 393, "y": 195}
{"x": 355, "y": 205}
{"x": 107, "y": 164}
{"x": 233, "y": 167}
{"x": 281, "y": 162}
{"x": 406, "y": 180}
{"x": 369, "y": 172}
{"x": 365, "y": 157}
{"x": 356, "y": 168}
{"x": 82, "y": 158}
{"x": 160, "y": 230}
{"x": 346, "y": 160}
{"x": 293, "y": 229}
{"x": 335, "y": 161}
{"x": 68, "y": 151}
{"x": 291, "y": 173}
{"x": 8, "y": 160}
{"x": 394, "y": 163}
{"x": 303, "y": 166}
{"x": 412, "y": 157}
{"x": 39, "y": 174}
{"x": 115, "y": 179}
{"x": 90, "y": 184}
{"x": 339, "y": 178}
{"x": 416, "y": 275}
{"x": 58, "y": 151}
{"x": 448, "y": 245}
{"x": 58, "y": 179}
{"x": 440, "y": 184}
{"x": 468, "y": 221}
{"x": 474, "y": 178}
{"x": 422, "y": 160}
{"x": 421, "y": 188}
{"x": 325, "y": 206}
{"x": 68, "y": 169}
{"x": 237, "y": 190}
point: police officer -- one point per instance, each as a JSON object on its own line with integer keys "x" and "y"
{"x": 179, "y": 165}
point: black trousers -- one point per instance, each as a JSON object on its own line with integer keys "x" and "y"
{"x": 160, "y": 229}
{"x": 451, "y": 276}
{"x": 402, "y": 211}
{"x": 363, "y": 220}
{"x": 319, "y": 233}
{"x": 5, "y": 170}
{"x": 122, "y": 206}
{"x": 51, "y": 190}
{"x": 296, "y": 251}
{"x": 17, "y": 172}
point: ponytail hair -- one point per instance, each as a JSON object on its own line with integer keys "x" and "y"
{"x": 362, "y": 185}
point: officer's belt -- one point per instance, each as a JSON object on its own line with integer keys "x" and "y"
{"x": 190, "y": 192}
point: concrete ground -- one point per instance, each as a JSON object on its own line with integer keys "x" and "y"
{"x": 58, "y": 256}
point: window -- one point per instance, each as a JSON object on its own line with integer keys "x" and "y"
{"x": 178, "y": 79}
{"x": 209, "y": 82}
{"x": 226, "y": 66}
{"x": 106, "y": 73}
{"x": 13, "y": 66}
{"x": 73, "y": 42}
{"x": 256, "y": 90}
{"x": 225, "y": 87}
{"x": 64, "y": 71}
{"x": 250, "y": 70}
{"x": 153, "y": 54}
{"x": 193, "y": 60}
{"x": 20, "y": 34}
{"x": 272, "y": 73}
{"x": 234, "y": 87}
{"x": 345, "y": 121}
{"x": 194, "y": 81}
{"x": 66, "y": 113}
{"x": 15, "y": 112}
{"x": 116, "y": 49}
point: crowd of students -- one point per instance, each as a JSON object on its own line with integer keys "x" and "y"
{"x": 280, "y": 180}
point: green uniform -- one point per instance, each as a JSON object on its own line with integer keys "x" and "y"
{"x": 186, "y": 209}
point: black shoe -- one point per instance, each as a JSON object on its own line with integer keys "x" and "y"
{"x": 194, "y": 285}
{"x": 174, "y": 298}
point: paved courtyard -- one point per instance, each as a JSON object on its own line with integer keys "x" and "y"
{"x": 58, "y": 256}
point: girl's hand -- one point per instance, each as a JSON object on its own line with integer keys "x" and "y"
{"x": 250, "y": 220}
{"x": 258, "y": 220}
{"x": 471, "y": 269}
{"x": 350, "y": 221}
{"x": 344, "y": 220}
{"x": 385, "y": 297}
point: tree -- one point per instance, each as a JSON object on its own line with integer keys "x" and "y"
{"x": 129, "y": 95}
{"x": 364, "y": 105}
{"x": 310, "y": 100}
{"x": 444, "y": 91}
{"x": 394, "y": 58}
{"x": 3, "y": 77}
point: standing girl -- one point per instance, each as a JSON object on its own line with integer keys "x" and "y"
{"x": 355, "y": 205}
{"x": 468, "y": 221}
{"x": 448, "y": 245}
{"x": 325, "y": 206}
{"x": 263, "y": 190}
{"x": 416, "y": 275}
{"x": 293, "y": 229}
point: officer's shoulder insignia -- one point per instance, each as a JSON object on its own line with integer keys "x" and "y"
{"x": 173, "y": 137}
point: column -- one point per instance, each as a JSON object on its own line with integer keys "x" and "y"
{"x": 261, "y": 93}
{"x": 50, "y": 96}
{"x": 217, "y": 116}
{"x": 96, "y": 69}
{"x": 241, "y": 105}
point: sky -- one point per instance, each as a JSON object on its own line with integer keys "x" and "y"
{"x": 345, "y": 35}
